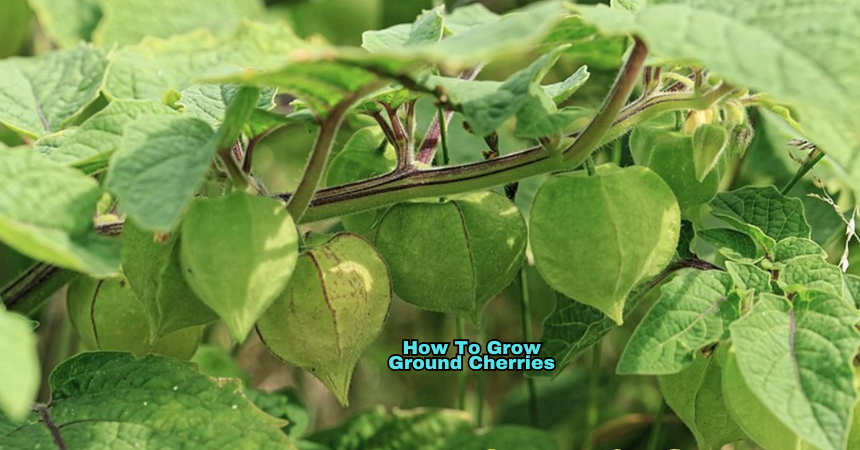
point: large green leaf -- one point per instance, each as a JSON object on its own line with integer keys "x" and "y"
{"x": 159, "y": 167}
{"x": 693, "y": 312}
{"x": 68, "y": 22}
{"x": 46, "y": 213}
{"x": 40, "y": 95}
{"x": 428, "y": 429}
{"x": 129, "y": 21}
{"x": 752, "y": 416}
{"x": 238, "y": 253}
{"x": 152, "y": 68}
{"x": 164, "y": 159}
{"x": 696, "y": 396}
{"x": 209, "y": 102}
{"x": 811, "y": 272}
{"x": 748, "y": 277}
{"x": 733, "y": 244}
{"x": 596, "y": 237}
{"x": 788, "y": 57}
{"x": 763, "y": 213}
{"x": 102, "y": 133}
{"x": 20, "y": 368}
{"x": 428, "y": 28}
{"x": 796, "y": 357}
{"x": 114, "y": 400}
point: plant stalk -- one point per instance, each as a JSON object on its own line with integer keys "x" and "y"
{"x": 813, "y": 159}
{"x": 593, "y": 412}
{"x": 301, "y": 198}
{"x": 534, "y": 417}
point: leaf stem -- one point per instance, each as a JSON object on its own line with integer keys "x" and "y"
{"x": 527, "y": 336}
{"x": 592, "y": 415}
{"x": 814, "y": 157}
{"x": 301, "y": 199}
{"x": 589, "y": 166}
{"x": 443, "y": 135}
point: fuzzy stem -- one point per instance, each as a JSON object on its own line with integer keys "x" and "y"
{"x": 527, "y": 336}
{"x": 594, "y": 134}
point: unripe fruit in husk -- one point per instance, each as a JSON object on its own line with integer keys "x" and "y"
{"x": 595, "y": 238}
{"x": 366, "y": 155}
{"x": 108, "y": 316}
{"x": 675, "y": 158}
{"x": 333, "y": 308}
{"x": 453, "y": 256}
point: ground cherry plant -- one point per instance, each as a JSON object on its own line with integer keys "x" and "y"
{"x": 226, "y": 224}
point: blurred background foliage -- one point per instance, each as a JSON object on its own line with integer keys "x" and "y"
{"x": 627, "y": 408}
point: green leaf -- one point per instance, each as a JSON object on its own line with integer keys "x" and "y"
{"x": 488, "y": 104}
{"x": 129, "y": 21}
{"x": 811, "y": 272}
{"x": 587, "y": 44}
{"x": 150, "y": 69}
{"x": 709, "y": 142}
{"x": 696, "y": 396}
{"x": 752, "y": 416}
{"x": 428, "y": 429}
{"x": 672, "y": 155}
{"x": 41, "y": 95}
{"x": 763, "y": 213}
{"x": 285, "y": 404}
{"x": 238, "y": 253}
{"x": 852, "y": 285}
{"x": 164, "y": 159}
{"x": 114, "y": 400}
{"x": 694, "y": 311}
{"x": 159, "y": 167}
{"x": 595, "y": 238}
{"x": 68, "y": 22}
{"x": 427, "y": 29}
{"x": 782, "y": 62}
{"x": 209, "y": 102}
{"x": 365, "y": 155}
{"x": 46, "y": 213}
{"x": 562, "y": 90}
{"x": 487, "y": 39}
{"x": 331, "y": 312}
{"x": 749, "y": 277}
{"x": 797, "y": 359}
{"x": 471, "y": 16}
{"x": 20, "y": 369}
{"x": 453, "y": 256}
{"x": 216, "y": 362}
{"x": 733, "y": 244}
{"x": 790, "y": 248}
{"x": 101, "y": 135}
{"x": 154, "y": 272}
